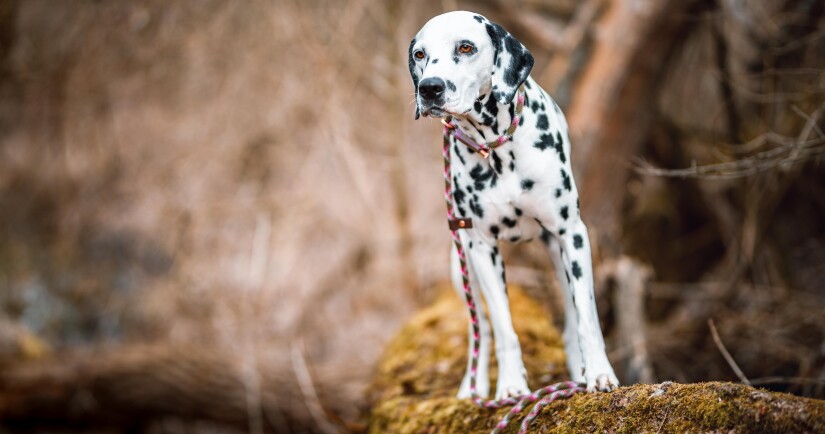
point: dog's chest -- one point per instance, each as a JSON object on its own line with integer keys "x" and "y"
{"x": 497, "y": 191}
{"x": 523, "y": 182}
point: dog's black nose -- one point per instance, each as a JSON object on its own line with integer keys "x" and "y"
{"x": 431, "y": 88}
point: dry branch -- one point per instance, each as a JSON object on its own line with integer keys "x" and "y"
{"x": 726, "y": 354}
{"x": 790, "y": 151}
{"x": 612, "y": 105}
{"x": 133, "y": 386}
{"x": 631, "y": 278}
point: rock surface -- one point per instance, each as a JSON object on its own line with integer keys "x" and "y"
{"x": 419, "y": 374}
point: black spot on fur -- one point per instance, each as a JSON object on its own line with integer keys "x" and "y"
{"x": 475, "y": 207}
{"x": 545, "y": 141}
{"x": 520, "y": 60}
{"x": 535, "y": 106}
{"x": 527, "y": 85}
{"x": 451, "y": 86}
{"x": 549, "y": 141}
{"x": 458, "y": 153}
{"x": 475, "y": 172}
{"x": 527, "y": 184}
{"x": 435, "y": 61}
{"x": 542, "y": 123}
{"x": 458, "y": 195}
{"x": 564, "y": 213}
{"x": 510, "y": 223}
{"x": 577, "y": 271}
{"x": 478, "y": 18}
{"x": 558, "y": 193}
{"x": 411, "y": 62}
{"x": 559, "y": 145}
{"x": 480, "y": 177}
{"x": 545, "y": 236}
{"x": 491, "y": 105}
{"x": 562, "y": 231}
{"x": 413, "y": 74}
{"x": 496, "y": 33}
{"x": 578, "y": 242}
{"x": 496, "y": 162}
{"x": 477, "y": 106}
{"x": 494, "y": 230}
{"x": 461, "y": 212}
{"x": 515, "y": 239}
{"x": 518, "y": 211}
{"x": 566, "y": 180}
{"x": 512, "y": 165}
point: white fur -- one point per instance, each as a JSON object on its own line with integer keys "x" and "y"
{"x": 541, "y": 208}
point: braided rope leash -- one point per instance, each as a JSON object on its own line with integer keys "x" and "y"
{"x": 545, "y": 395}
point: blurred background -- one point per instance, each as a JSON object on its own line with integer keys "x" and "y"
{"x": 213, "y": 215}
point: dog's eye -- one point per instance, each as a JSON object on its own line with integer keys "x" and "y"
{"x": 418, "y": 54}
{"x": 465, "y": 48}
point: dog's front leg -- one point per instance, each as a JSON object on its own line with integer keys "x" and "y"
{"x": 482, "y": 368}
{"x": 488, "y": 268}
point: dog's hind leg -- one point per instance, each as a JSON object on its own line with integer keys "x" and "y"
{"x": 482, "y": 377}
{"x": 578, "y": 269}
{"x": 572, "y": 348}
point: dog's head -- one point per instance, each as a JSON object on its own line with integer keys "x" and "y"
{"x": 459, "y": 57}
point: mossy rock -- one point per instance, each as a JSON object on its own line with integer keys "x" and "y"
{"x": 419, "y": 374}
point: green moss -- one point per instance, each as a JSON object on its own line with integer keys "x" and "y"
{"x": 428, "y": 356}
{"x": 422, "y": 368}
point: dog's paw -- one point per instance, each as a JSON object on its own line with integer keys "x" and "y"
{"x": 512, "y": 391}
{"x": 511, "y": 386}
{"x": 604, "y": 382}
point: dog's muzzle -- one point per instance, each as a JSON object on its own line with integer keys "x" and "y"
{"x": 431, "y": 91}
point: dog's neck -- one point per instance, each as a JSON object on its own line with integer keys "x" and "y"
{"x": 487, "y": 120}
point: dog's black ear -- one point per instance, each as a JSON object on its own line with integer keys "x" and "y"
{"x": 512, "y": 63}
{"x": 414, "y": 75}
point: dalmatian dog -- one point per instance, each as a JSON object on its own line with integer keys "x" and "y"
{"x": 469, "y": 68}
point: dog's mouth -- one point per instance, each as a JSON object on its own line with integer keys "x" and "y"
{"x": 435, "y": 112}
{"x": 440, "y": 112}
